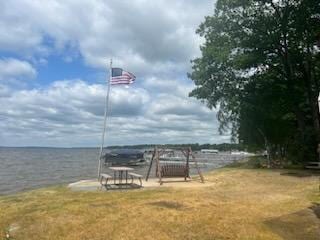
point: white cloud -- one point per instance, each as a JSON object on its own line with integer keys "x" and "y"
{"x": 12, "y": 69}
{"x": 68, "y": 111}
{"x": 4, "y": 91}
{"x": 150, "y": 36}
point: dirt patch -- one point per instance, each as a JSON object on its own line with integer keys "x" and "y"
{"x": 168, "y": 204}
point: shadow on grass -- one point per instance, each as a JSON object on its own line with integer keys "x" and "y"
{"x": 299, "y": 174}
{"x": 302, "y": 225}
{"x": 316, "y": 209}
{"x": 121, "y": 187}
{"x": 168, "y": 204}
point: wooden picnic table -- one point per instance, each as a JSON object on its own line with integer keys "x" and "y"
{"x": 120, "y": 171}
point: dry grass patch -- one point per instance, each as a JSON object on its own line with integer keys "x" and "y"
{"x": 237, "y": 204}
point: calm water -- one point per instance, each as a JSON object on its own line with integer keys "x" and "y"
{"x": 29, "y": 168}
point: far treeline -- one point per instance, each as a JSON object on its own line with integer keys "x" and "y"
{"x": 260, "y": 66}
{"x": 194, "y": 146}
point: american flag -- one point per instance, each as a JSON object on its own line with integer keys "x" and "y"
{"x": 119, "y": 76}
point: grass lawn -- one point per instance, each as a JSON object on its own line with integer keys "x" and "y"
{"x": 241, "y": 204}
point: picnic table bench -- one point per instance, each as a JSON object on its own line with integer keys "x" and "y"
{"x": 135, "y": 175}
{"x": 104, "y": 177}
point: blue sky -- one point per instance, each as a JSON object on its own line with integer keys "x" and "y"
{"x": 53, "y": 67}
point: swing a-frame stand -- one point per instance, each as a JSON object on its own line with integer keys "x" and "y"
{"x": 167, "y": 167}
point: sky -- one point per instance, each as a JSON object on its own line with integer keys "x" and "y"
{"x": 54, "y": 63}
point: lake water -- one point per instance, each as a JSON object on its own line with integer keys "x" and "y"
{"x": 29, "y": 168}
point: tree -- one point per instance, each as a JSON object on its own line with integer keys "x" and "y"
{"x": 260, "y": 66}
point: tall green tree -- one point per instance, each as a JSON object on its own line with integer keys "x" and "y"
{"x": 260, "y": 66}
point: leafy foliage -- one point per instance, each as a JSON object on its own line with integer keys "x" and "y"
{"x": 260, "y": 66}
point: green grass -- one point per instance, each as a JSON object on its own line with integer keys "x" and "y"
{"x": 257, "y": 162}
{"x": 240, "y": 204}
{"x": 249, "y": 163}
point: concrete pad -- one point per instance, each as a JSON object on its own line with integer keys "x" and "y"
{"x": 94, "y": 184}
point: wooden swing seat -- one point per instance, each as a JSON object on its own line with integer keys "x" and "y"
{"x": 173, "y": 170}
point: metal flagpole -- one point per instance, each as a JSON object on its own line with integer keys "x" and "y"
{"x": 106, "y": 111}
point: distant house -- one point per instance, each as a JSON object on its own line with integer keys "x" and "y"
{"x": 209, "y": 151}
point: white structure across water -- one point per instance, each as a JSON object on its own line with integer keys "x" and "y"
{"x": 209, "y": 151}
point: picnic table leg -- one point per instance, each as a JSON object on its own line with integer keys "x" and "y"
{"x": 114, "y": 178}
{"x": 126, "y": 177}
{"x": 140, "y": 181}
{"x": 107, "y": 184}
{"x": 100, "y": 180}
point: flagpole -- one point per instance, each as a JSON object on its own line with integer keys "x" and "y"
{"x": 106, "y": 111}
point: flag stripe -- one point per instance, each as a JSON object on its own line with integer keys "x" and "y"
{"x": 122, "y": 77}
{"x": 127, "y": 80}
{"x": 121, "y": 82}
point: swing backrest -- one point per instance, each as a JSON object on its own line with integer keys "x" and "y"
{"x": 173, "y": 170}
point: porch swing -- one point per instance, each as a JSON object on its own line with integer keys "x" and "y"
{"x": 166, "y": 169}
